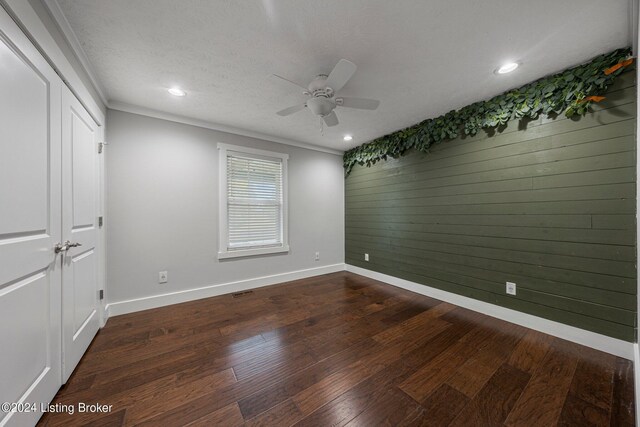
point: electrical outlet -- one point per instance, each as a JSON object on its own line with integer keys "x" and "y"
{"x": 366, "y": 257}
{"x": 163, "y": 277}
{"x": 317, "y": 256}
{"x": 511, "y": 288}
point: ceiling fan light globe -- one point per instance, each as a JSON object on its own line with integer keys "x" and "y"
{"x": 320, "y": 106}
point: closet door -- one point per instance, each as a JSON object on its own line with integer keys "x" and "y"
{"x": 30, "y": 227}
{"x": 80, "y": 203}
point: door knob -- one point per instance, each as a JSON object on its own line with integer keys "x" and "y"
{"x": 64, "y": 247}
{"x": 61, "y": 247}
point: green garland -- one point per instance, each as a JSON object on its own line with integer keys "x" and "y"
{"x": 571, "y": 91}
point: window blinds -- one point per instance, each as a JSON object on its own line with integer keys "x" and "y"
{"x": 254, "y": 201}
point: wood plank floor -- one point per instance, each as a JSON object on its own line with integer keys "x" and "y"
{"x": 339, "y": 349}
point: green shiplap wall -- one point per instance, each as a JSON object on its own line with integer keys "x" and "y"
{"x": 549, "y": 205}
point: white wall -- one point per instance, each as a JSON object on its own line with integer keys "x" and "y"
{"x": 162, "y": 210}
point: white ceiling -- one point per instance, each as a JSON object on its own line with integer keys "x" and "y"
{"x": 420, "y": 58}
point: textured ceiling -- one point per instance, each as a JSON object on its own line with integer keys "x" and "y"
{"x": 420, "y": 58}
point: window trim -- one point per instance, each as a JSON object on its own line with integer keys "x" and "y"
{"x": 223, "y": 230}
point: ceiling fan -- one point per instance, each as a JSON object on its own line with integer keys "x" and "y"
{"x": 322, "y": 91}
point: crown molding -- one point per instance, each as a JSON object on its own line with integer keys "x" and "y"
{"x": 74, "y": 43}
{"x": 143, "y": 111}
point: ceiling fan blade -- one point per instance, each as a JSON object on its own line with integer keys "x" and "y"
{"x": 331, "y": 119}
{"x": 291, "y": 110}
{"x": 341, "y": 74}
{"x": 298, "y": 85}
{"x": 360, "y": 103}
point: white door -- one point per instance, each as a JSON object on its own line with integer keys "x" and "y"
{"x": 80, "y": 204}
{"x": 30, "y": 226}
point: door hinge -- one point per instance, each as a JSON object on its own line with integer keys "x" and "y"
{"x": 101, "y": 294}
{"x": 100, "y": 221}
{"x": 100, "y": 147}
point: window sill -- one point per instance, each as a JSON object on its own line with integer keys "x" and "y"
{"x": 252, "y": 252}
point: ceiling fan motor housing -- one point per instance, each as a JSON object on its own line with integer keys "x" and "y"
{"x": 318, "y": 84}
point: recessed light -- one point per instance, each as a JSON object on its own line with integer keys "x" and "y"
{"x": 347, "y": 138}
{"x": 176, "y": 91}
{"x": 507, "y": 68}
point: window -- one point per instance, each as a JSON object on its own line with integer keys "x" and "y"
{"x": 253, "y": 202}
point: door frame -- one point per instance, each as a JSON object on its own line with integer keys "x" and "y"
{"x": 76, "y": 337}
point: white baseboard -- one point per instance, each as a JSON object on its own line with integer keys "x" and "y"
{"x": 155, "y": 301}
{"x": 590, "y": 339}
{"x": 600, "y": 342}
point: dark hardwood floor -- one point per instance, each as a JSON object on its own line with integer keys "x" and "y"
{"x": 340, "y": 349}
